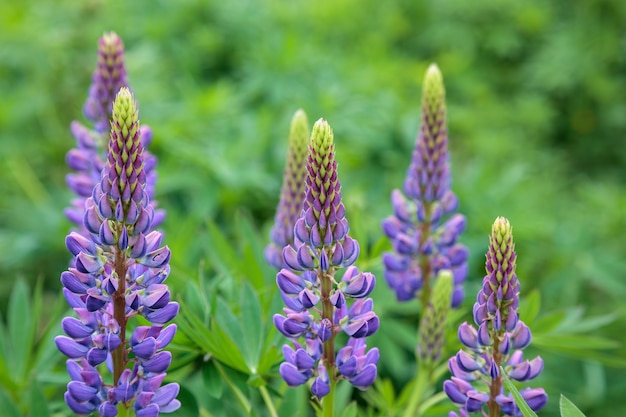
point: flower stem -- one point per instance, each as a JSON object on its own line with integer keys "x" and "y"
{"x": 423, "y": 259}
{"x": 268, "y": 401}
{"x": 496, "y": 384}
{"x": 423, "y": 377}
{"x": 119, "y": 313}
{"x": 328, "y": 403}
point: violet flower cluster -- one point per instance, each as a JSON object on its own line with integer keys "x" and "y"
{"x": 89, "y": 156}
{"x": 118, "y": 272}
{"x": 316, "y": 302}
{"x": 476, "y": 383}
{"x": 424, "y": 229}
{"x": 292, "y": 191}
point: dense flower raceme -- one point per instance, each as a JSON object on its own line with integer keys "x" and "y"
{"x": 292, "y": 191}
{"x": 476, "y": 383}
{"x": 424, "y": 229}
{"x": 431, "y": 335}
{"x": 89, "y": 156}
{"x": 316, "y": 302}
{"x": 117, "y": 273}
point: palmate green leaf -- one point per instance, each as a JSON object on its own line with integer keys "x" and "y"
{"x": 253, "y": 329}
{"x": 20, "y": 328}
{"x": 38, "y": 404}
{"x": 211, "y": 339}
{"x": 222, "y": 253}
{"x": 351, "y": 410}
{"x": 9, "y": 409}
{"x": 261, "y": 275}
{"x": 568, "y": 409}
{"x": 529, "y": 308}
{"x": 212, "y": 380}
{"x": 519, "y": 400}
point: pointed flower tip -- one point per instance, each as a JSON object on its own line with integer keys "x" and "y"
{"x": 111, "y": 39}
{"x": 433, "y": 81}
{"x": 299, "y": 131}
{"x": 321, "y": 136}
{"x": 502, "y": 226}
{"x": 433, "y": 71}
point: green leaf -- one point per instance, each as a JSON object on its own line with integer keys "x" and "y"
{"x": 8, "y": 407}
{"x": 568, "y": 409}
{"x": 38, "y": 403}
{"x": 529, "y": 307}
{"x": 351, "y": 410}
{"x": 20, "y": 327}
{"x": 212, "y": 380}
{"x": 185, "y": 396}
{"x": 222, "y": 253}
{"x": 519, "y": 400}
{"x": 569, "y": 341}
{"x": 253, "y": 329}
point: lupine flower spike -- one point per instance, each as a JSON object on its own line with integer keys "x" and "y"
{"x": 89, "y": 156}
{"x": 424, "y": 229}
{"x": 476, "y": 384}
{"x": 316, "y": 297}
{"x": 431, "y": 334}
{"x": 117, "y": 273}
{"x": 292, "y": 191}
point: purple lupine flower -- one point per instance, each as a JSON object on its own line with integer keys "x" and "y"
{"x": 424, "y": 228}
{"x": 118, "y": 272}
{"x": 89, "y": 157}
{"x": 317, "y": 303}
{"x": 498, "y": 341}
{"x": 292, "y": 191}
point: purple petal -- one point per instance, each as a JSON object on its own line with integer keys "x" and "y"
{"x": 291, "y": 375}
{"x": 70, "y": 348}
{"x": 166, "y": 394}
{"x": 81, "y": 391}
{"x": 151, "y": 410}
{"x": 159, "y": 363}
{"x": 366, "y": 377}
{"x": 78, "y": 407}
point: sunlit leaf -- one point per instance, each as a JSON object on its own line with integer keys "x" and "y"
{"x": 568, "y": 409}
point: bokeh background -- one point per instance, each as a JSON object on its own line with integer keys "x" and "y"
{"x": 536, "y": 94}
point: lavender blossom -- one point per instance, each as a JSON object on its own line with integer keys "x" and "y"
{"x": 89, "y": 156}
{"x": 317, "y": 308}
{"x": 118, "y": 273}
{"x": 424, "y": 229}
{"x": 499, "y": 340}
{"x": 292, "y": 191}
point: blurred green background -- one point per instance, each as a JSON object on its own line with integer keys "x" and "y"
{"x": 536, "y": 94}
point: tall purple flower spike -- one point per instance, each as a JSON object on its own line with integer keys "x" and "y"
{"x": 88, "y": 158}
{"x": 424, "y": 229}
{"x": 316, "y": 301}
{"x": 498, "y": 341}
{"x": 292, "y": 191}
{"x": 118, "y": 272}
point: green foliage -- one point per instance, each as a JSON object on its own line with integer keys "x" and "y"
{"x": 568, "y": 409}
{"x": 535, "y": 106}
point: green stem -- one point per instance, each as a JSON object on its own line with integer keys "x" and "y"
{"x": 268, "y": 401}
{"x": 423, "y": 377}
{"x": 328, "y": 403}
